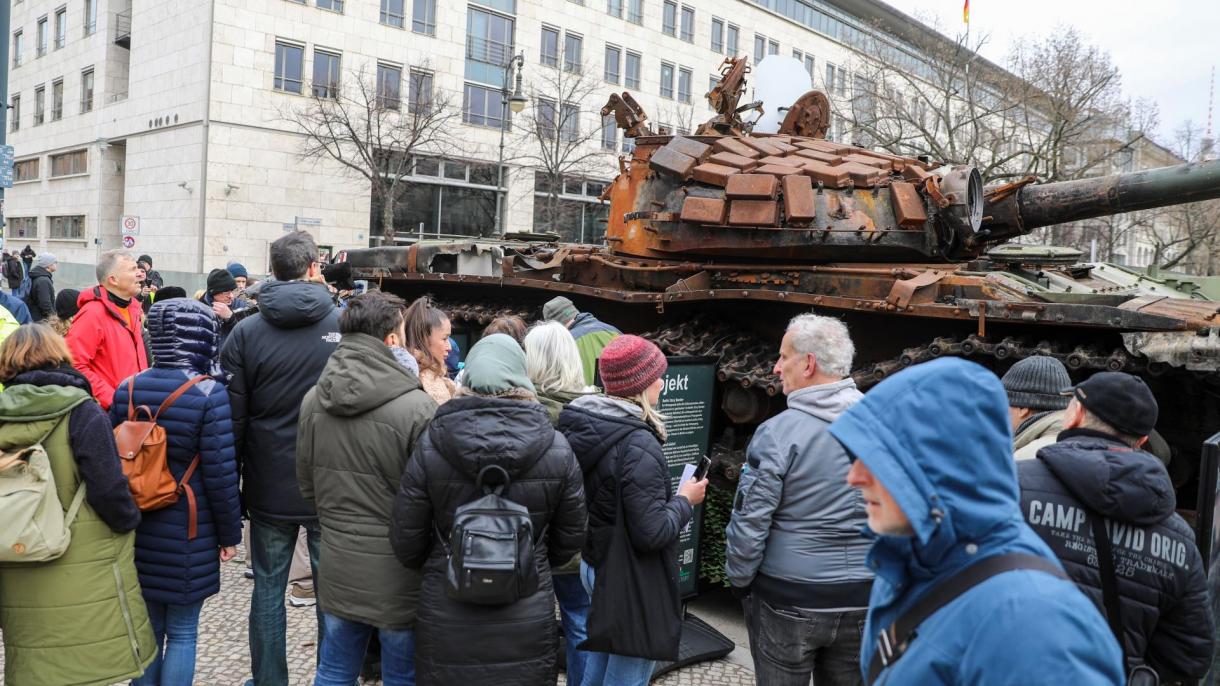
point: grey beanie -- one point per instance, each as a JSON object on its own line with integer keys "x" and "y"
{"x": 559, "y": 309}
{"x": 44, "y": 260}
{"x": 1036, "y": 382}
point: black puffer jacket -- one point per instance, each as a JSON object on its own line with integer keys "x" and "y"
{"x": 41, "y": 300}
{"x": 604, "y": 433}
{"x": 273, "y": 359}
{"x": 1166, "y": 623}
{"x": 462, "y": 644}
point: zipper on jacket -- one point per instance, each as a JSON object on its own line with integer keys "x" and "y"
{"x": 131, "y": 629}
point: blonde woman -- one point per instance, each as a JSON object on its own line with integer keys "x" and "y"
{"x": 553, "y": 363}
{"x": 617, "y": 440}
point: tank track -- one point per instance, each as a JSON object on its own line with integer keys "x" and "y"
{"x": 745, "y": 359}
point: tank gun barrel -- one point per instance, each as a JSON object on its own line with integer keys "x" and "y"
{"x": 1007, "y": 215}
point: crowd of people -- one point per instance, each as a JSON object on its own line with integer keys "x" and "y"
{"x": 949, "y": 527}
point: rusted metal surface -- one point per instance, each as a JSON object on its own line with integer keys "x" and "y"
{"x": 904, "y": 292}
{"x": 753, "y": 212}
{"x": 908, "y": 206}
{"x": 704, "y": 210}
{"x": 670, "y": 161}
{"x": 688, "y": 146}
{"x": 735, "y": 146}
{"x": 713, "y": 174}
{"x": 628, "y": 115}
{"x": 808, "y": 116}
{"x": 799, "y": 204}
{"x": 752, "y": 186}
{"x": 729, "y": 159}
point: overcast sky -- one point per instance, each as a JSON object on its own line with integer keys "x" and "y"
{"x": 1164, "y": 49}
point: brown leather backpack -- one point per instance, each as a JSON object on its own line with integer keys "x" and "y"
{"x": 143, "y": 454}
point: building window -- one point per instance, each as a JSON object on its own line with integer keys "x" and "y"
{"x": 90, "y": 17}
{"x": 836, "y": 80}
{"x": 613, "y": 62}
{"x": 40, "y": 98}
{"x": 481, "y": 106}
{"x": 569, "y": 122}
{"x": 18, "y": 46}
{"x": 809, "y": 65}
{"x": 796, "y": 55}
{"x": 86, "y": 90}
{"x": 684, "y": 79}
{"x": 332, "y": 5}
{"x": 614, "y": 8}
{"x": 732, "y": 40}
{"x": 67, "y": 228}
{"x": 669, "y": 18}
{"x": 289, "y": 67}
{"x": 392, "y": 13}
{"x": 15, "y": 114}
{"x": 23, "y": 227}
{"x": 712, "y": 82}
{"x": 717, "y": 35}
{"x": 423, "y": 17}
{"x": 545, "y": 123}
{"x": 325, "y": 74}
{"x": 688, "y": 24}
{"x": 489, "y": 39}
{"x": 421, "y": 92}
{"x": 57, "y": 100}
{"x": 667, "y": 80}
{"x": 549, "y": 50}
{"x": 389, "y": 86}
{"x": 444, "y": 202}
{"x": 628, "y": 145}
{"x": 772, "y": 47}
{"x": 573, "y": 45}
{"x": 635, "y": 11}
{"x": 69, "y": 163}
{"x": 61, "y": 27}
{"x": 631, "y": 78}
{"x": 609, "y": 132}
{"x": 43, "y": 36}
{"x": 25, "y": 170}
{"x": 570, "y": 206}
{"x": 760, "y": 48}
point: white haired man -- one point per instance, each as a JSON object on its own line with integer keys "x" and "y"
{"x": 794, "y": 549}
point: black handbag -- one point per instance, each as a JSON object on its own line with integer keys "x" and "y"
{"x": 636, "y": 611}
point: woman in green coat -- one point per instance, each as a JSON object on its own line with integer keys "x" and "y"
{"x": 78, "y": 619}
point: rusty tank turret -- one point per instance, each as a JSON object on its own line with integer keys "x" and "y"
{"x": 716, "y": 239}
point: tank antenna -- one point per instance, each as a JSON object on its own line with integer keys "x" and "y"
{"x": 1206, "y": 152}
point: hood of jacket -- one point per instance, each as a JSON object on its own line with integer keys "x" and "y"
{"x": 37, "y": 272}
{"x": 1120, "y": 482}
{"x": 361, "y": 375}
{"x": 472, "y": 432}
{"x": 294, "y": 304}
{"x": 101, "y": 296}
{"x": 593, "y": 424}
{"x": 827, "y": 401}
{"x": 183, "y": 334}
{"x": 954, "y": 478}
{"x": 585, "y": 323}
{"x": 42, "y": 394}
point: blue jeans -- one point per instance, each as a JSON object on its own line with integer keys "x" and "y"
{"x": 604, "y": 669}
{"x": 344, "y": 643}
{"x": 271, "y": 546}
{"x": 574, "y": 613}
{"x": 175, "y": 627}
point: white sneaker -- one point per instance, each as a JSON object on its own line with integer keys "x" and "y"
{"x": 301, "y": 597}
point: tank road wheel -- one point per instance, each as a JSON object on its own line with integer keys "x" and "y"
{"x": 808, "y": 116}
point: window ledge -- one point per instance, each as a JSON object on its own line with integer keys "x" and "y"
{"x": 18, "y": 183}
{"x": 68, "y": 176}
{"x": 75, "y": 242}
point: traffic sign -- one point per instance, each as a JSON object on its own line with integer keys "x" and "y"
{"x": 129, "y": 225}
{"x": 129, "y": 242}
{"x": 6, "y": 166}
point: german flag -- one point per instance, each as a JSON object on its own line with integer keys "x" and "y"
{"x": 966, "y": 12}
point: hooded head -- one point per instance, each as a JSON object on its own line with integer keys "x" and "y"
{"x": 183, "y": 334}
{"x": 496, "y": 366}
{"x": 937, "y": 438}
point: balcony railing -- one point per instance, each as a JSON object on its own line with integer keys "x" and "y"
{"x": 488, "y": 51}
{"x": 122, "y": 29}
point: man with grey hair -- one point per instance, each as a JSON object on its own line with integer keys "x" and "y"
{"x": 793, "y": 547}
{"x": 107, "y": 337}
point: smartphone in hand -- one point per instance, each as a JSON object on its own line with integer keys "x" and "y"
{"x": 705, "y": 463}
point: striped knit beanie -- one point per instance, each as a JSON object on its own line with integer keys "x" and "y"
{"x": 629, "y": 365}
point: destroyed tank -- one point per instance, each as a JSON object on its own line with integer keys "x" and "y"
{"x": 715, "y": 240}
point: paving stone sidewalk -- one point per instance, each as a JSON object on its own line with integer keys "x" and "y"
{"x": 223, "y": 657}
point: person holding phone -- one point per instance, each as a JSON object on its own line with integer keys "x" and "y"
{"x": 793, "y": 549}
{"x": 617, "y": 440}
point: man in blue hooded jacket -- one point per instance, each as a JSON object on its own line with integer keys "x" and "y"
{"x": 932, "y": 455}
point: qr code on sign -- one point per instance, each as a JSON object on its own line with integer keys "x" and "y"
{"x": 688, "y": 556}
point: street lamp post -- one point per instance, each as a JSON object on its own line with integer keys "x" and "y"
{"x": 509, "y": 100}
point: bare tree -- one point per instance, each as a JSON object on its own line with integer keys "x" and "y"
{"x": 560, "y": 139}
{"x": 375, "y": 133}
{"x": 1187, "y": 234}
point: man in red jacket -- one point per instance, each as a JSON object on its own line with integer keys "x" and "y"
{"x": 106, "y": 337}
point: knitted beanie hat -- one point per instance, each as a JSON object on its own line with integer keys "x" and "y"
{"x": 629, "y": 365}
{"x": 559, "y": 309}
{"x": 65, "y": 303}
{"x": 1036, "y": 382}
{"x": 238, "y": 271}
{"x": 221, "y": 281}
{"x": 45, "y": 260}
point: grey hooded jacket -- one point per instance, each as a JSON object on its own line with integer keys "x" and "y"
{"x": 795, "y": 536}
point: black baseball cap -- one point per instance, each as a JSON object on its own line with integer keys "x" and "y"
{"x": 1121, "y": 400}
